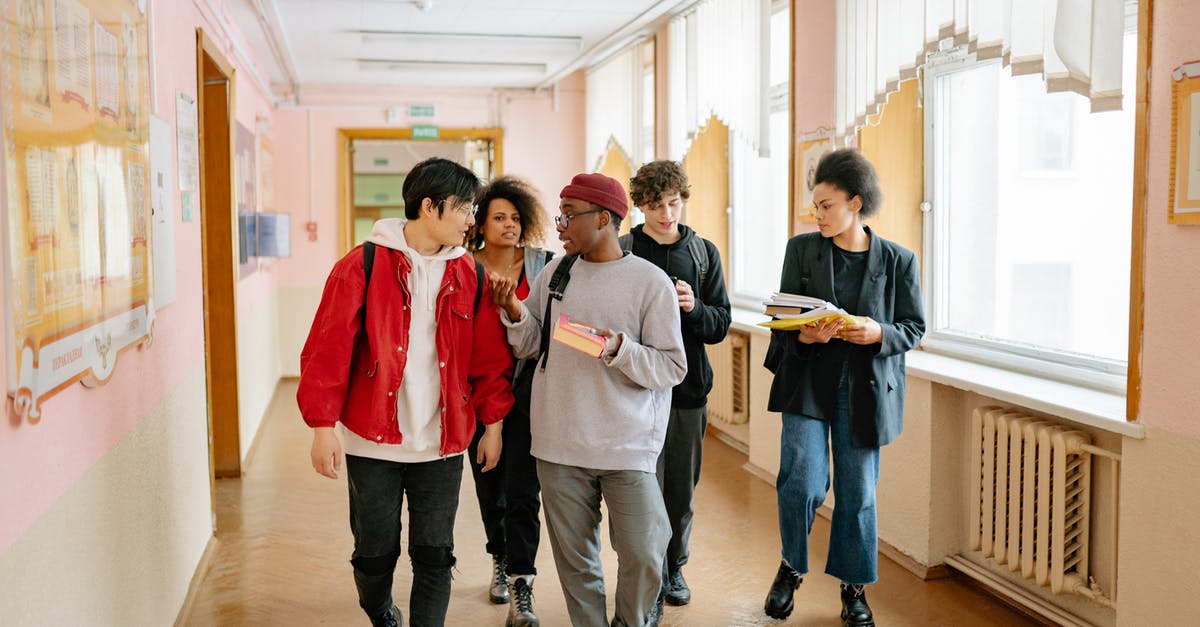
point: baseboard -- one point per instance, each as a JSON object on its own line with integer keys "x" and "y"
{"x": 202, "y": 568}
{"x": 760, "y": 472}
{"x": 907, "y": 562}
{"x": 1014, "y": 596}
{"x": 729, "y": 440}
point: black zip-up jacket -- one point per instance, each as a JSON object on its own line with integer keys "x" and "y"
{"x": 707, "y": 323}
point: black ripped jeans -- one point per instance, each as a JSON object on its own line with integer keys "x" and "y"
{"x": 377, "y": 490}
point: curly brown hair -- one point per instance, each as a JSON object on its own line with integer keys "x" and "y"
{"x": 524, "y": 196}
{"x": 657, "y": 178}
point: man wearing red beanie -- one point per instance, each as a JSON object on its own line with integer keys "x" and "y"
{"x": 597, "y": 424}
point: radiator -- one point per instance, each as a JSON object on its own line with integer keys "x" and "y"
{"x": 730, "y": 393}
{"x": 1030, "y": 500}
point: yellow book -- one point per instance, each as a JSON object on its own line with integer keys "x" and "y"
{"x": 793, "y": 324}
{"x": 579, "y": 336}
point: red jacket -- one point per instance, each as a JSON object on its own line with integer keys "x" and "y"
{"x": 347, "y": 376}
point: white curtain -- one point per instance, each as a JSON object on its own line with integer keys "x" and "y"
{"x": 1075, "y": 44}
{"x": 677, "y": 88}
{"x": 723, "y": 61}
{"x": 612, "y": 105}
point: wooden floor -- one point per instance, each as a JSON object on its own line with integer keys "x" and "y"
{"x": 282, "y": 556}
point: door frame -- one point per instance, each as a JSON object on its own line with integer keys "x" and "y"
{"x": 346, "y": 137}
{"x": 216, "y": 76}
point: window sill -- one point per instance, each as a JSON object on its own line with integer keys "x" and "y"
{"x": 1075, "y": 403}
{"x": 746, "y": 320}
{"x": 1085, "y": 406}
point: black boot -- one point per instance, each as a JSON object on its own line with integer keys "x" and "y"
{"x": 520, "y": 611}
{"x": 855, "y": 611}
{"x": 498, "y": 590}
{"x": 393, "y": 618}
{"x": 779, "y": 600}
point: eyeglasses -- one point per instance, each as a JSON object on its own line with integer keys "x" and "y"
{"x": 464, "y": 209}
{"x": 564, "y": 220}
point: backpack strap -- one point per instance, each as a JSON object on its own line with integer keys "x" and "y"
{"x": 626, "y": 242}
{"x": 479, "y": 278}
{"x": 368, "y": 266}
{"x": 558, "y": 284}
{"x": 700, "y": 258}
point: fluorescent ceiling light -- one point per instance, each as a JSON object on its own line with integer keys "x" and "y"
{"x": 425, "y": 64}
{"x": 384, "y": 36}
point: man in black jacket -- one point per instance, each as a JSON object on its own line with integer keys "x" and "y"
{"x": 660, "y": 190}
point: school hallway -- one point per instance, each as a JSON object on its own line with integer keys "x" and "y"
{"x": 283, "y": 547}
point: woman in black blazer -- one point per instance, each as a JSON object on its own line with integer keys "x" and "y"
{"x": 840, "y": 386}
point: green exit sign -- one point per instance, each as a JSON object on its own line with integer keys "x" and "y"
{"x": 425, "y": 131}
{"x": 421, "y": 110}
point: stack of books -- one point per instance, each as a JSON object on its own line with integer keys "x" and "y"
{"x": 792, "y": 311}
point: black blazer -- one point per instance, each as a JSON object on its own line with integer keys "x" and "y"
{"x": 891, "y": 295}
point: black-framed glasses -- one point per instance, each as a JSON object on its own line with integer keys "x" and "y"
{"x": 564, "y": 220}
{"x": 465, "y": 209}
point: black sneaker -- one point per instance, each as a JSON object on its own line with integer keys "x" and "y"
{"x": 520, "y": 610}
{"x": 779, "y": 599}
{"x": 855, "y": 611}
{"x": 393, "y": 618}
{"x": 677, "y": 591}
{"x": 498, "y": 592}
{"x": 656, "y": 612}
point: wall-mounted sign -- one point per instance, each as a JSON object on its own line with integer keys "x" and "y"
{"x": 425, "y": 131}
{"x": 422, "y": 110}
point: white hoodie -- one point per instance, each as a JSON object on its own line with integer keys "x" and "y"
{"x": 418, "y": 400}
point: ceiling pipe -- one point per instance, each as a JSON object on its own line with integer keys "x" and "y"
{"x": 626, "y": 34}
{"x": 267, "y": 13}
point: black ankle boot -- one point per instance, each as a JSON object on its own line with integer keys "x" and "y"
{"x": 779, "y": 599}
{"x": 855, "y": 611}
{"x": 392, "y": 618}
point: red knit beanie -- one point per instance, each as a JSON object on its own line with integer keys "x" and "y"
{"x": 600, "y": 189}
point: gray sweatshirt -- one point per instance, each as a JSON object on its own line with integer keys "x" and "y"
{"x": 609, "y": 413}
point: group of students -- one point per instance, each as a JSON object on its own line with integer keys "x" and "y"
{"x": 545, "y": 426}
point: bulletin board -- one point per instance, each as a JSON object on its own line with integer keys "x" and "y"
{"x": 1184, "y": 206}
{"x": 74, "y": 84}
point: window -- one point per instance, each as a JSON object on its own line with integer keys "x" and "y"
{"x": 759, "y": 186}
{"x": 1030, "y": 246}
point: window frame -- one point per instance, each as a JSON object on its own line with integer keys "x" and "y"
{"x": 780, "y": 98}
{"x": 1088, "y": 371}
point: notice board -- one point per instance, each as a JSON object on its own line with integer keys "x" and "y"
{"x": 76, "y": 104}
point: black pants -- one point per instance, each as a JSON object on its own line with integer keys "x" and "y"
{"x": 509, "y": 495}
{"x": 377, "y": 490}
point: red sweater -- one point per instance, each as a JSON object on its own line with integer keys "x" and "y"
{"x": 348, "y": 376}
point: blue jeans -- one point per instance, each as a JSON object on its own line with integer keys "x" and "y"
{"x": 804, "y": 481}
{"x": 377, "y": 490}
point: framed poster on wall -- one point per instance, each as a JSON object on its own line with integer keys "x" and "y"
{"x": 809, "y": 150}
{"x": 75, "y": 97}
{"x": 1184, "y": 204}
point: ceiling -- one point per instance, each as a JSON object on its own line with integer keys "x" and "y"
{"x": 437, "y": 43}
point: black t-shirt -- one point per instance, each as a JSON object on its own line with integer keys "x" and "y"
{"x": 848, "y": 271}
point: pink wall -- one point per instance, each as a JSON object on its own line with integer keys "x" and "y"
{"x": 816, "y": 46}
{"x": 1171, "y": 361}
{"x": 79, "y": 426}
{"x": 541, "y": 144}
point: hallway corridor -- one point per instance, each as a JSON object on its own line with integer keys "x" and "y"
{"x": 282, "y": 556}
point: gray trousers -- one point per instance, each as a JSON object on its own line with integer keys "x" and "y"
{"x": 638, "y": 530}
{"x": 678, "y": 474}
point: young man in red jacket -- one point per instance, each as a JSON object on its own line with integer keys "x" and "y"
{"x": 401, "y": 360}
